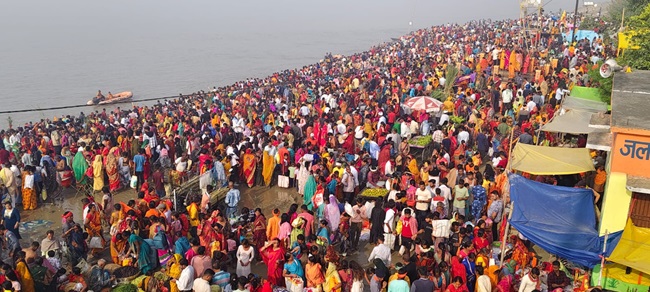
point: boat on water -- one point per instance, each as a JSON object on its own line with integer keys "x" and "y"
{"x": 111, "y": 98}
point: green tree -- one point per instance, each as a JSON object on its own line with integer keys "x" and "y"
{"x": 640, "y": 24}
{"x": 616, "y": 7}
{"x": 590, "y": 23}
{"x": 450, "y": 78}
{"x": 604, "y": 85}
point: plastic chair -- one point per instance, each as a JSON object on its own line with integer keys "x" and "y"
{"x": 85, "y": 187}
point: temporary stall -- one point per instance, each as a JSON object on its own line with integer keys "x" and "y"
{"x": 585, "y": 98}
{"x": 633, "y": 250}
{"x": 571, "y": 122}
{"x": 543, "y": 160}
{"x": 560, "y": 220}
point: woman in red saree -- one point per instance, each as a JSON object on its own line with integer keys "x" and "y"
{"x": 458, "y": 270}
{"x": 204, "y": 157}
{"x": 249, "y": 167}
{"x": 205, "y": 232}
{"x": 505, "y": 284}
{"x": 273, "y": 257}
{"x": 259, "y": 229}
{"x": 457, "y": 285}
{"x": 384, "y": 156}
{"x": 112, "y": 170}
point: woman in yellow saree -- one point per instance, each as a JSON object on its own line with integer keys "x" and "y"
{"x": 413, "y": 168}
{"x": 24, "y": 275}
{"x": 250, "y": 165}
{"x": 268, "y": 165}
{"x": 98, "y": 173}
{"x": 174, "y": 272}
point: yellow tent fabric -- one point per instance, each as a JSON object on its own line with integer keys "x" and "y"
{"x": 633, "y": 249}
{"x": 615, "y": 278}
{"x": 542, "y": 160}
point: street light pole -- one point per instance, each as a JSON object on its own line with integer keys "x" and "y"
{"x": 575, "y": 18}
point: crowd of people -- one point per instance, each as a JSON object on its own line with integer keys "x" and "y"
{"x": 329, "y": 130}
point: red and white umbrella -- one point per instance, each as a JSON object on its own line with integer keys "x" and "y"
{"x": 423, "y": 103}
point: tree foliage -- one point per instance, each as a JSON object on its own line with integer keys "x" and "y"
{"x": 604, "y": 85}
{"x": 640, "y": 24}
{"x": 450, "y": 78}
{"x": 616, "y": 7}
{"x": 590, "y": 23}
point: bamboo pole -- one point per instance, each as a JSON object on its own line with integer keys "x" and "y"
{"x": 622, "y": 19}
{"x": 512, "y": 133}
{"x": 505, "y": 234}
{"x": 602, "y": 259}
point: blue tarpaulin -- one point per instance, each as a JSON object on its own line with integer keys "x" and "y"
{"x": 560, "y": 220}
{"x": 581, "y": 34}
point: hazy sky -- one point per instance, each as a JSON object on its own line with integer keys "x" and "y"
{"x": 89, "y": 19}
{"x": 60, "y": 52}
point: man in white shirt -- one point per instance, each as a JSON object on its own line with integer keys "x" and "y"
{"x": 380, "y": 251}
{"x": 483, "y": 283}
{"x": 388, "y": 167}
{"x": 232, "y": 200}
{"x": 495, "y": 55}
{"x": 559, "y": 93}
{"x": 395, "y": 138}
{"x": 202, "y": 284}
{"x": 373, "y": 149}
{"x": 506, "y": 98}
{"x": 531, "y": 105}
{"x": 186, "y": 279}
{"x": 463, "y": 135}
{"x": 238, "y": 124}
{"x": 340, "y": 127}
{"x": 181, "y": 163}
{"x": 445, "y": 192}
{"x": 382, "y": 120}
{"x": 423, "y": 197}
{"x": 304, "y": 110}
{"x": 405, "y": 131}
{"x": 443, "y": 118}
{"x": 414, "y": 127}
{"x": 355, "y": 174}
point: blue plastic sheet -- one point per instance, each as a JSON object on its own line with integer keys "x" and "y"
{"x": 581, "y": 34}
{"x": 560, "y": 220}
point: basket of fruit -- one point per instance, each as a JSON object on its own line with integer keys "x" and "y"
{"x": 420, "y": 141}
{"x": 126, "y": 274}
{"x": 374, "y": 193}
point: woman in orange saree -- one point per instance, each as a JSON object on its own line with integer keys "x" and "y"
{"x": 28, "y": 191}
{"x": 112, "y": 170}
{"x": 118, "y": 247}
{"x": 512, "y": 64}
{"x": 93, "y": 224}
{"x": 250, "y": 165}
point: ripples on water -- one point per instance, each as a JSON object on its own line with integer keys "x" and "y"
{"x": 152, "y": 67}
{"x": 165, "y": 47}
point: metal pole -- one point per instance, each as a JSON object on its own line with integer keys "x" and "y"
{"x": 505, "y": 234}
{"x": 602, "y": 259}
{"x": 575, "y": 18}
{"x": 175, "y": 202}
{"x": 622, "y": 19}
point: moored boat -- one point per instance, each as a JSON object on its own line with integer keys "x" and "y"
{"x": 111, "y": 98}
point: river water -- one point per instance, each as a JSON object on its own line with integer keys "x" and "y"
{"x": 59, "y": 53}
